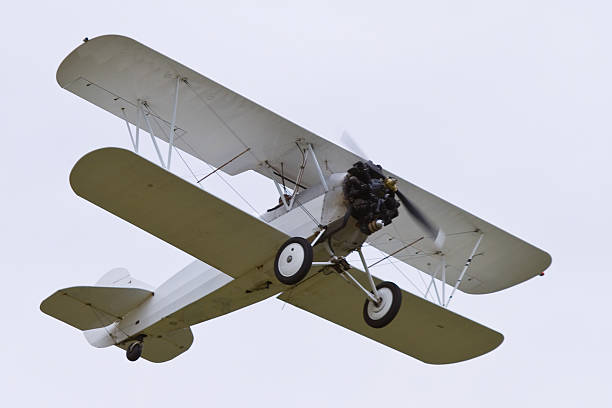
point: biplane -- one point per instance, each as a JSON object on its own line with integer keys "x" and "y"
{"x": 331, "y": 202}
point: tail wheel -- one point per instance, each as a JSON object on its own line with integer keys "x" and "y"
{"x": 381, "y": 314}
{"x": 293, "y": 261}
{"x": 134, "y": 351}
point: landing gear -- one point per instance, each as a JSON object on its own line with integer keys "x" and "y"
{"x": 380, "y": 314}
{"x": 383, "y": 301}
{"x": 293, "y": 260}
{"x": 134, "y": 351}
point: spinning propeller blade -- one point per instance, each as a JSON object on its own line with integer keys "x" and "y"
{"x": 437, "y": 234}
{"x": 428, "y": 226}
{"x": 352, "y": 145}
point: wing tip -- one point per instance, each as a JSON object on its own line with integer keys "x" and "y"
{"x": 547, "y": 261}
{"x": 543, "y": 262}
{"x": 64, "y": 75}
{"x": 494, "y": 343}
{"x": 85, "y": 162}
{"x": 44, "y": 305}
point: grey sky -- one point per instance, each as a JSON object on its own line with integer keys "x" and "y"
{"x": 502, "y": 109}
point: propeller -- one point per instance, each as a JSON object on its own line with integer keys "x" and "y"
{"x": 424, "y": 223}
{"x": 435, "y": 231}
{"x": 352, "y": 145}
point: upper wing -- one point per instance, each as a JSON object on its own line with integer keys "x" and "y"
{"x": 421, "y": 329}
{"x": 215, "y": 124}
{"x": 501, "y": 260}
{"x": 176, "y": 211}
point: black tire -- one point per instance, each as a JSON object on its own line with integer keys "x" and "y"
{"x": 396, "y": 303}
{"x": 304, "y": 268}
{"x": 134, "y": 351}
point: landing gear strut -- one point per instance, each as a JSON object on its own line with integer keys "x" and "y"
{"x": 383, "y": 301}
{"x": 295, "y": 258}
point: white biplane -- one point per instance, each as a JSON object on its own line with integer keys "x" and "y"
{"x": 338, "y": 202}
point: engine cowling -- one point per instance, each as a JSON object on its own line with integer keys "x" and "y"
{"x": 371, "y": 198}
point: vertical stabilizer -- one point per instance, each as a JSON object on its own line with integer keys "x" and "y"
{"x": 121, "y": 278}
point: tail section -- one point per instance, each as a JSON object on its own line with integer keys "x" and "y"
{"x": 99, "y": 311}
{"x": 121, "y": 278}
{"x": 163, "y": 347}
{"x": 91, "y": 307}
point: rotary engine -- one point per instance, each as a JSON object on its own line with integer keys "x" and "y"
{"x": 371, "y": 198}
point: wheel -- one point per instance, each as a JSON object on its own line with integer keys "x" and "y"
{"x": 380, "y": 315}
{"x": 293, "y": 261}
{"x": 134, "y": 351}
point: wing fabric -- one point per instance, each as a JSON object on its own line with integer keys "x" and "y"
{"x": 213, "y": 123}
{"x": 501, "y": 259}
{"x": 421, "y": 329}
{"x": 242, "y": 246}
{"x": 176, "y": 211}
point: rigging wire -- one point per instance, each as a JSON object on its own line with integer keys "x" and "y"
{"x": 389, "y": 262}
{"x": 256, "y": 212}
{"x": 387, "y": 256}
{"x": 316, "y": 222}
{"x": 187, "y": 165}
{"x": 406, "y": 276}
{"x": 224, "y": 164}
{"x": 214, "y": 112}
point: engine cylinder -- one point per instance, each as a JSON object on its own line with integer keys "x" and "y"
{"x": 371, "y": 198}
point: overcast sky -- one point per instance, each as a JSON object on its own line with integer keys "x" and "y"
{"x": 501, "y": 109}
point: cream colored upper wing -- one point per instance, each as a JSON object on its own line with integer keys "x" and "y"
{"x": 501, "y": 259}
{"x": 215, "y": 124}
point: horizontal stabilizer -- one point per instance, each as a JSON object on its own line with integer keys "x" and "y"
{"x": 421, "y": 329}
{"x": 90, "y": 307}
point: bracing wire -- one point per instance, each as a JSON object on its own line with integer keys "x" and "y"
{"x": 312, "y": 217}
{"x": 236, "y": 191}
{"x": 256, "y": 213}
